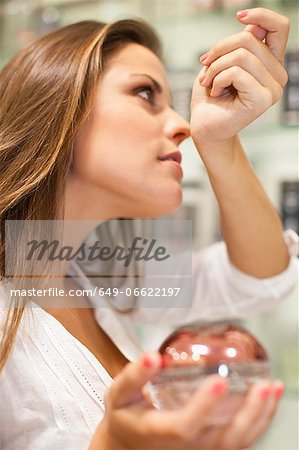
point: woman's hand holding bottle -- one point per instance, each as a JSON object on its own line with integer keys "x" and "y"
{"x": 131, "y": 423}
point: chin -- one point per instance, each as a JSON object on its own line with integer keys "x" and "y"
{"x": 154, "y": 205}
{"x": 169, "y": 206}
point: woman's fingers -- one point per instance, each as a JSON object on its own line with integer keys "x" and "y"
{"x": 276, "y": 25}
{"x": 247, "y": 41}
{"x": 256, "y": 410}
{"x": 129, "y": 382}
{"x": 186, "y": 424}
{"x": 196, "y": 414}
{"x": 250, "y": 93}
{"x": 241, "y": 58}
{"x": 269, "y": 412}
{"x": 259, "y": 32}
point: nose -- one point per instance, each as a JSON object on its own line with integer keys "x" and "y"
{"x": 176, "y": 128}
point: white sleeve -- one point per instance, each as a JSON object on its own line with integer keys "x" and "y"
{"x": 221, "y": 291}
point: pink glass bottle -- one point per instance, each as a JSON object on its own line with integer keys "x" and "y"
{"x": 193, "y": 353}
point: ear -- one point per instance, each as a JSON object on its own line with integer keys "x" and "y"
{"x": 259, "y": 32}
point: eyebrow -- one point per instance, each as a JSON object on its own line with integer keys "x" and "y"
{"x": 157, "y": 85}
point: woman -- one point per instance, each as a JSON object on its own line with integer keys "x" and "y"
{"x": 86, "y": 119}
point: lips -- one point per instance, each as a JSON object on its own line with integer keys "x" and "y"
{"x": 174, "y": 156}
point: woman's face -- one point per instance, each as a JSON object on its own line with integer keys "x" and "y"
{"x": 118, "y": 169}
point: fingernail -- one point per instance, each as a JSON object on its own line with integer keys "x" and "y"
{"x": 201, "y": 78}
{"x": 242, "y": 14}
{"x": 279, "y": 392}
{"x": 203, "y": 57}
{"x": 147, "y": 362}
{"x": 265, "y": 393}
{"x": 218, "y": 388}
{"x": 151, "y": 361}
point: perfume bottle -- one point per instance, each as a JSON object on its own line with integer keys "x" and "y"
{"x": 192, "y": 353}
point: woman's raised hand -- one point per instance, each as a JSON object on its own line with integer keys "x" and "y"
{"x": 242, "y": 77}
{"x": 130, "y": 423}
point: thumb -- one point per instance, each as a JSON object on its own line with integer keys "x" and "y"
{"x": 198, "y": 92}
{"x": 259, "y": 32}
{"x": 129, "y": 382}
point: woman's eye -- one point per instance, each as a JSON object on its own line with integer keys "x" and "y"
{"x": 146, "y": 92}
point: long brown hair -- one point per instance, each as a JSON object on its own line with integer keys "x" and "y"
{"x": 46, "y": 91}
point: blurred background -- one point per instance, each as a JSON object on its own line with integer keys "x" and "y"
{"x": 188, "y": 28}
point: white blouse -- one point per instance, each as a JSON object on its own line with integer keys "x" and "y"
{"x": 52, "y": 387}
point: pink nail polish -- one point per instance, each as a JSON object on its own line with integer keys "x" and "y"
{"x": 278, "y": 392}
{"x": 147, "y": 362}
{"x": 265, "y": 393}
{"x": 151, "y": 360}
{"x": 203, "y": 57}
{"x": 218, "y": 388}
{"x": 201, "y": 78}
{"x": 242, "y": 14}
